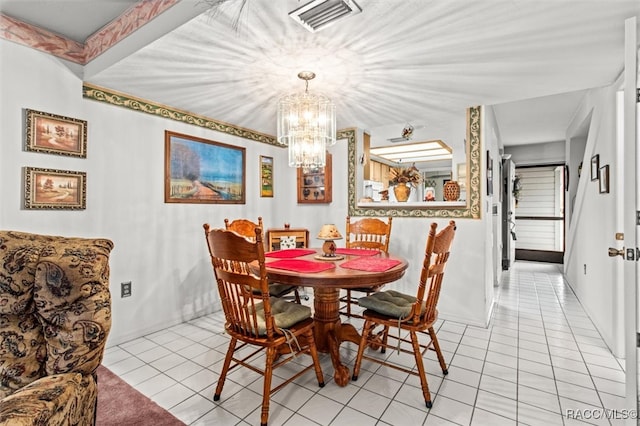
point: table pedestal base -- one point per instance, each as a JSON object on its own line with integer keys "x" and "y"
{"x": 329, "y": 332}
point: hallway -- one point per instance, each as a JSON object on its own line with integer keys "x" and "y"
{"x": 540, "y": 362}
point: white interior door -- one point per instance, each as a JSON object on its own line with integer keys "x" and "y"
{"x": 630, "y": 209}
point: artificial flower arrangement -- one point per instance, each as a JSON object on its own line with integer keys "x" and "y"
{"x": 409, "y": 175}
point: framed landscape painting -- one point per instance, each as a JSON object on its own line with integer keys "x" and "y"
{"x": 54, "y": 189}
{"x": 55, "y": 134}
{"x": 202, "y": 171}
{"x": 266, "y": 176}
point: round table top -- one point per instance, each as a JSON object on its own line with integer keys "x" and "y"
{"x": 337, "y": 277}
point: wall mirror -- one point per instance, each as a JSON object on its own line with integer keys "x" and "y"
{"x": 469, "y": 208}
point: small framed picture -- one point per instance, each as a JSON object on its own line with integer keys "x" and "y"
{"x": 595, "y": 166}
{"x": 604, "y": 179}
{"x": 54, "y": 189}
{"x": 266, "y": 176}
{"x": 55, "y": 134}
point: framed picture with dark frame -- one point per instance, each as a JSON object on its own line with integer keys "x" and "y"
{"x": 489, "y": 174}
{"x": 55, "y": 134}
{"x": 266, "y": 176}
{"x": 604, "y": 179}
{"x": 595, "y": 166}
{"x": 52, "y": 189}
{"x": 202, "y": 171}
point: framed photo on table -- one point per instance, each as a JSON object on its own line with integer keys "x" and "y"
{"x": 55, "y": 134}
{"x": 52, "y": 189}
{"x": 198, "y": 170}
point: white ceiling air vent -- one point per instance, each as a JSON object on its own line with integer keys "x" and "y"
{"x": 319, "y": 14}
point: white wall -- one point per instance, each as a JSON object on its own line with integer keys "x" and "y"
{"x": 587, "y": 244}
{"x": 160, "y": 247}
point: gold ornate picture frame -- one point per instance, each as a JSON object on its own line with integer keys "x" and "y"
{"x": 55, "y": 134}
{"x": 52, "y": 189}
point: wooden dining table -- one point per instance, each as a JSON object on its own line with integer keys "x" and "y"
{"x": 329, "y": 331}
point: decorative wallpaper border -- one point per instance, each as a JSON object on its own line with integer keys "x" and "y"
{"x": 472, "y": 211}
{"x": 40, "y": 39}
{"x": 112, "y": 97}
{"x": 130, "y": 21}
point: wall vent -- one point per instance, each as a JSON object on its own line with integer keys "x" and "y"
{"x": 319, "y": 14}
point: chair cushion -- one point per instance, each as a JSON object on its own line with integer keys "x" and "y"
{"x": 279, "y": 290}
{"x": 285, "y": 314}
{"x": 391, "y": 303}
{"x": 276, "y": 289}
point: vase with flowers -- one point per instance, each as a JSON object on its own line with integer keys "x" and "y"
{"x": 403, "y": 179}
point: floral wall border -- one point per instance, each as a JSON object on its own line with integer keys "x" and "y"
{"x": 112, "y": 97}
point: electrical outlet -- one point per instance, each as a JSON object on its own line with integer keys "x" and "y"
{"x": 585, "y": 269}
{"x": 125, "y": 289}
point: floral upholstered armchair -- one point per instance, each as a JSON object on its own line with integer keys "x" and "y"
{"x": 55, "y": 316}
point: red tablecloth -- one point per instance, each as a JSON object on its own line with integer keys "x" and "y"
{"x": 288, "y": 253}
{"x": 299, "y": 265}
{"x": 370, "y": 264}
{"x": 357, "y": 252}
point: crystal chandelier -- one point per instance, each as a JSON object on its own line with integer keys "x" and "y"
{"x": 307, "y": 125}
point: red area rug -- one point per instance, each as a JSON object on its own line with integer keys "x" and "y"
{"x": 120, "y": 404}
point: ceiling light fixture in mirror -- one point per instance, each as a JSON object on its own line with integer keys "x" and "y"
{"x": 414, "y": 153}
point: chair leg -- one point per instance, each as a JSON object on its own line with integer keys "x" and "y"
{"x": 266, "y": 390}
{"x": 366, "y": 329}
{"x": 349, "y": 303}
{"x": 314, "y": 355}
{"x": 297, "y": 296}
{"x": 385, "y": 338}
{"x": 423, "y": 375}
{"x": 225, "y": 368}
{"x": 436, "y": 346}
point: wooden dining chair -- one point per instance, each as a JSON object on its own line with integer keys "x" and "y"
{"x": 284, "y": 330}
{"x": 390, "y": 309}
{"x": 366, "y": 233}
{"x": 247, "y": 228}
{"x": 289, "y": 238}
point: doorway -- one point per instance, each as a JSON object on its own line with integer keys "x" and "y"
{"x": 540, "y": 213}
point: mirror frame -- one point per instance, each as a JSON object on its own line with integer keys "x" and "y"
{"x": 472, "y": 209}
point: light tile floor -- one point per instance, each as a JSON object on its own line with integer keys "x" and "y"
{"x": 540, "y": 360}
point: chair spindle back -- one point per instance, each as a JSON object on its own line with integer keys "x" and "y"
{"x": 231, "y": 258}
{"x": 368, "y": 233}
{"x": 435, "y": 259}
